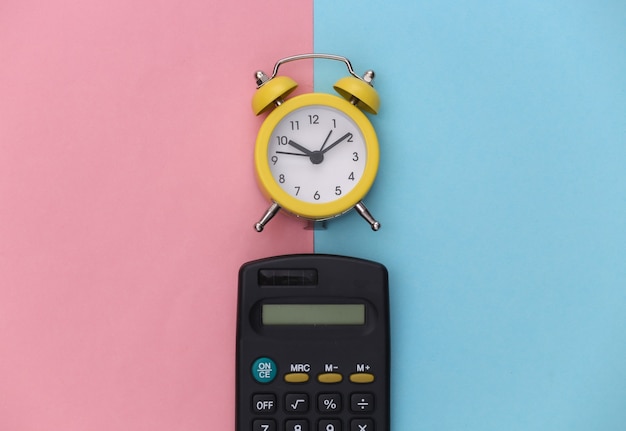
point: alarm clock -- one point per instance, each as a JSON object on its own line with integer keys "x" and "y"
{"x": 316, "y": 154}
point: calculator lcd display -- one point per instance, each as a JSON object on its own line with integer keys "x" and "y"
{"x": 313, "y": 314}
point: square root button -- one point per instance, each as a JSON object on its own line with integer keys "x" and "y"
{"x": 297, "y": 403}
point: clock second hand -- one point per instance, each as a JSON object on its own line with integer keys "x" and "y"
{"x": 292, "y": 154}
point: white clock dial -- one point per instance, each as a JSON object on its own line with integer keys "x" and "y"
{"x": 317, "y": 154}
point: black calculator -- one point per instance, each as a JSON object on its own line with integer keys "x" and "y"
{"x": 312, "y": 345}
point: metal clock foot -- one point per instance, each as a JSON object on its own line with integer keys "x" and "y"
{"x": 269, "y": 214}
{"x": 363, "y": 211}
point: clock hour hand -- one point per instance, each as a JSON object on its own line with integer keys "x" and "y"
{"x": 338, "y": 141}
{"x": 300, "y": 147}
{"x": 316, "y": 157}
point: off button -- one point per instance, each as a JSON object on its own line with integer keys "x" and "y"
{"x": 264, "y": 370}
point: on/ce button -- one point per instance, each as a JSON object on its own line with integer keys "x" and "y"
{"x": 264, "y": 370}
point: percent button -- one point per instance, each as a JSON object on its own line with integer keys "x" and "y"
{"x": 329, "y": 403}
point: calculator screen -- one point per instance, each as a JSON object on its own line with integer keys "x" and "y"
{"x": 313, "y": 314}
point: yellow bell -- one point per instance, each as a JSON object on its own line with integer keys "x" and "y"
{"x": 271, "y": 91}
{"x": 350, "y": 87}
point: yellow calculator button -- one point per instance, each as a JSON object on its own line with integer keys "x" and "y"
{"x": 329, "y": 378}
{"x": 296, "y": 377}
{"x": 361, "y": 378}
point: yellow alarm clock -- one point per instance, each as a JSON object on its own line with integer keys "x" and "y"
{"x": 316, "y": 154}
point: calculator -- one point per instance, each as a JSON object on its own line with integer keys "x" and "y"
{"x": 312, "y": 344}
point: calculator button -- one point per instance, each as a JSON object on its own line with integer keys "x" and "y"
{"x": 263, "y": 425}
{"x": 264, "y": 370}
{"x": 329, "y": 378}
{"x": 362, "y": 402}
{"x": 361, "y": 377}
{"x": 362, "y": 425}
{"x": 298, "y": 403}
{"x": 329, "y": 403}
{"x": 329, "y": 425}
{"x": 296, "y": 377}
{"x": 264, "y": 403}
{"x": 297, "y": 425}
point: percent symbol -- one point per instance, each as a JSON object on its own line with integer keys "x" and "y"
{"x": 330, "y": 404}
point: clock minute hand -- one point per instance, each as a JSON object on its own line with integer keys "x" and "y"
{"x": 326, "y": 140}
{"x": 338, "y": 141}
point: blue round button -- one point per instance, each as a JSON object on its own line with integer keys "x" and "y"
{"x": 264, "y": 370}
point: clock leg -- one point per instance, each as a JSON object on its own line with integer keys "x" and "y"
{"x": 362, "y": 210}
{"x": 269, "y": 214}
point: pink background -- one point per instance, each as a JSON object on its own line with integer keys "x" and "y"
{"x": 127, "y": 200}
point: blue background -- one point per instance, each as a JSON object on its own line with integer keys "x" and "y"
{"x": 502, "y": 198}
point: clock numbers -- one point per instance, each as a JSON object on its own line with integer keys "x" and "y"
{"x": 317, "y": 154}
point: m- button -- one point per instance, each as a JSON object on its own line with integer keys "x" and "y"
{"x": 329, "y": 378}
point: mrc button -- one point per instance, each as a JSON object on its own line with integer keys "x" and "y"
{"x": 264, "y": 370}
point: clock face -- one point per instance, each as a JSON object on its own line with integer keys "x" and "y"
{"x": 317, "y": 154}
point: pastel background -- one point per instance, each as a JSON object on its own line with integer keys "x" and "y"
{"x": 127, "y": 200}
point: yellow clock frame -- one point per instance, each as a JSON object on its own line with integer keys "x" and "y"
{"x": 358, "y": 95}
{"x": 315, "y": 211}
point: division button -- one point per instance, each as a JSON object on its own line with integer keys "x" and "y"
{"x": 329, "y": 378}
{"x": 296, "y": 377}
{"x": 361, "y": 378}
{"x": 362, "y": 402}
{"x": 264, "y": 370}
